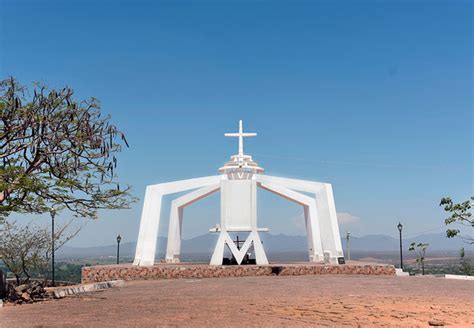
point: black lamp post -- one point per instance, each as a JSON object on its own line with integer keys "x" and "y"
{"x": 52, "y": 212}
{"x": 399, "y": 226}
{"x": 118, "y": 248}
{"x": 348, "y": 248}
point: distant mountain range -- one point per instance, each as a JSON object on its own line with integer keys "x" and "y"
{"x": 274, "y": 244}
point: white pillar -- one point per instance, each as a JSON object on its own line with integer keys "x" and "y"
{"x": 173, "y": 248}
{"x": 328, "y": 223}
{"x": 149, "y": 224}
{"x": 218, "y": 254}
{"x": 260, "y": 256}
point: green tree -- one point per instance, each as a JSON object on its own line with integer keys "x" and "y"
{"x": 23, "y": 249}
{"x": 57, "y": 151}
{"x": 420, "y": 251}
{"x": 26, "y": 249}
{"x": 459, "y": 213}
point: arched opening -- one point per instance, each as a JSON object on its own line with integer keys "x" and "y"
{"x": 197, "y": 243}
{"x": 286, "y": 240}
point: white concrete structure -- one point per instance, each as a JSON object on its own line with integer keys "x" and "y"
{"x": 238, "y": 182}
{"x": 458, "y": 277}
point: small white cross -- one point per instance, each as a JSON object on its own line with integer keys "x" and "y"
{"x": 241, "y": 136}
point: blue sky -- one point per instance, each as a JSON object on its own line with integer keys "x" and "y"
{"x": 374, "y": 97}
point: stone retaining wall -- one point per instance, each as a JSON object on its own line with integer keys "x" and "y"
{"x": 179, "y": 271}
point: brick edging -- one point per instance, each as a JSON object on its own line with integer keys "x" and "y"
{"x": 92, "y": 274}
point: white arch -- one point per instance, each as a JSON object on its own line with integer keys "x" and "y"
{"x": 173, "y": 249}
{"x": 150, "y": 220}
{"x": 313, "y": 234}
{"x": 320, "y": 216}
{"x": 326, "y": 208}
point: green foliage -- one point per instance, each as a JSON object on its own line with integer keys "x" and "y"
{"x": 65, "y": 271}
{"x": 68, "y": 272}
{"x": 420, "y": 251}
{"x": 460, "y": 213}
{"x": 57, "y": 152}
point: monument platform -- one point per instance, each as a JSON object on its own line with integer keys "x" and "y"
{"x": 203, "y": 270}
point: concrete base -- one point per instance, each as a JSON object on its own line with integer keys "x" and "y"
{"x": 401, "y": 273}
{"x": 458, "y": 277}
{"x": 101, "y": 273}
{"x": 61, "y": 292}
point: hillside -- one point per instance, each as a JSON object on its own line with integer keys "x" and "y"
{"x": 274, "y": 244}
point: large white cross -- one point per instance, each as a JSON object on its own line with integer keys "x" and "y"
{"x": 241, "y": 136}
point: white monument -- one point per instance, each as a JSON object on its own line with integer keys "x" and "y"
{"x": 238, "y": 182}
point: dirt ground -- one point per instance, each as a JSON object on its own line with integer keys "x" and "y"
{"x": 364, "y": 301}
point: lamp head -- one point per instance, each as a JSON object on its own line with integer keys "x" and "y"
{"x": 399, "y": 226}
{"x": 119, "y": 239}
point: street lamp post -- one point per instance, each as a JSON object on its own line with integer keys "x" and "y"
{"x": 399, "y": 226}
{"x": 348, "y": 248}
{"x": 53, "y": 214}
{"x": 118, "y": 248}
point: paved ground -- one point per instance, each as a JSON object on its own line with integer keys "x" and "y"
{"x": 260, "y": 301}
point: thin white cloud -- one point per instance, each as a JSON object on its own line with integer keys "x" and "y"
{"x": 345, "y": 218}
{"x": 296, "y": 224}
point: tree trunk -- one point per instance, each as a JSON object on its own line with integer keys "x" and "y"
{"x": 3, "y": 285}
{"x": 422, "y": 268}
